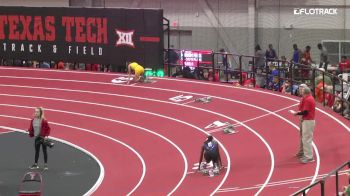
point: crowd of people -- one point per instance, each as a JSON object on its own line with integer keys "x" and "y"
{"x": 285, "y": 75}
{"x": 270, "y": 72}
{"x": 325, "y": 81}
{"x": 56, "y": 65}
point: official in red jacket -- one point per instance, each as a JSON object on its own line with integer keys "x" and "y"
{"x": 39, "y": 128}
{"x": 307, "y": 108}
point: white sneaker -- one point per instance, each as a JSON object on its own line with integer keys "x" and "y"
{"x": 202, "y": 166}
{"x": 216, "y": 170}
{"x": 211, "y": 173}
{"x": 34, "y": 166}
{"x": 306, "y": 160}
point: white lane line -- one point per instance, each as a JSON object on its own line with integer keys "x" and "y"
{"x": 229, "y": 162}
{"x": 269, "y": 113}
{"x": 261, "y": 92}
{"x": 219, "y": 85}
{"x": 230, "y": 100}
{"x": 120, "y": 122}
{"x": 279, "y": 183}
{"x": 99, "y": 134}
{"x": 171, "y": 79}
{"x": 5, "y": 132}
{"x": 102, "y": 170}
{"x": 246, "y": 89}
{"x": 251, "y": 119}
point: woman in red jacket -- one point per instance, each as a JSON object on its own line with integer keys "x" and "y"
{"x": 39, "y": 128}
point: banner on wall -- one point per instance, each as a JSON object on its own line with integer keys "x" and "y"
{"x": 85, "y": 35}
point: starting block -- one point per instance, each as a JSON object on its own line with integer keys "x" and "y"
{"x": 230, "y": 129}
{"x": 207, "y": 169}
{"x": 146, "y": 79}
{"x": 203, "y": 100}
{"x": 211, "y": 172}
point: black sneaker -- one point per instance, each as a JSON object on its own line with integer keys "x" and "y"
{"x": 34, "y": 166}
{"x": 299, "y": 155}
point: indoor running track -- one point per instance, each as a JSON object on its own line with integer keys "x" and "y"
{"x": 149, "y": 144}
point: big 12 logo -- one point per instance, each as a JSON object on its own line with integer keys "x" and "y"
{"x": 125, "y": 38}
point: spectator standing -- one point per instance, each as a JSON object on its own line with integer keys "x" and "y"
{"x": 297, "y": 54}
{"x": 306, "y": 113}
{"x": 259, "y": 57}
{"x": 270, "y": 53}
{"x": 323, "y": 56}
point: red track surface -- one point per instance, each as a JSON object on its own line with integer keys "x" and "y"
{"x": 160, "y": 130}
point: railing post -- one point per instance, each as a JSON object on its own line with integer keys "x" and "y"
{"x": 240, "y": 70}
{"x": 324, "y": 90}
{"x": 198, "y": 60}
{"x": 267, "y": 74}
{"x": 342, "y": 96}
{"x": 313, "y": 81}
{"x": 349, "y": 171}
{"x": 333, "y": 83}
{"x": 168, "y": 62}
{"x": 302, "y": 73}
{"x": 322, "y": 188}
{"x": 279, "y": 76}
{"x": 291, "y": 70}
{"x": 183, "y": 59}
{"x": 253, "y": 70}
{"x": 336, "y": 182}
{"x": 226, "y": 66}
{"x": 213, "y": 62}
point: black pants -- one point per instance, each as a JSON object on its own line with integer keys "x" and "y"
{"x": 37, "y": 144}
{"x": 325, "y": 66}
{"x": 211, "y": 157}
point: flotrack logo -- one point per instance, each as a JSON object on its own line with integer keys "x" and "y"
{"x": 315, "y": 11}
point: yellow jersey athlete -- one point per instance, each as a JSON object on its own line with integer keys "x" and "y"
{"x": 138, "y": 69}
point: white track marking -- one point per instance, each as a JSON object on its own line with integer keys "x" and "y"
{"x": 255, "y": 118}
{"x": 212, "y": 84}
{"x": 102, "y": 170}
{"x": 102, "y": 135}
{"x": 254, "y": 90}
{"x": 227, "y": 172}
{"x": 1, "y": 133}
{"x": 261, "y": 138}
{"x": 279, "y": 183}
{"x": 121, "y": 122}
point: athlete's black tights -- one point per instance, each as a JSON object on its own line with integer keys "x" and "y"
{"x": 37, "y": 144}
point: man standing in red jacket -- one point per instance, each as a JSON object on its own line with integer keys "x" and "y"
{"x": 306, "y": 113}
{"x": 39, "y": 128}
